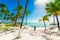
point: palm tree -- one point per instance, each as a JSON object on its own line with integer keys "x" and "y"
{"x": 45, "y": 18}
{"x": 18, "y": 10}
{"x": 23, "y": 18}
{"x": 53, "y": 18}
{"x": 4, "y": 11}
{"x": 18, "y": 36}
{"x": 12, "y": 18}
{"x": 24, "y": 14}
{"x": 54, "y": 9}
{"x": 6, "y": 16}
{"x": 2, "y": 6}
{"x": 18, "y": 15}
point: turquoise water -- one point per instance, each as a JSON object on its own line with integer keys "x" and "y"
{"x": 39, "y": 25}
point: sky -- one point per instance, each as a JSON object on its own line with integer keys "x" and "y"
{"x": 36, "y": 8}
{"x": 39, "y": 10}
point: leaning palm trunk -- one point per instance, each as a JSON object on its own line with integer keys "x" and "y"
{"x": 45, "y": 25}
{"x": 15, "y": 22}
{"x": 22, "y": 21}
{"x": 24, "y": 14}
{"x": 18, "y": 36}
{"x": 53, "y": 20}
{"x": 57, "y": 22}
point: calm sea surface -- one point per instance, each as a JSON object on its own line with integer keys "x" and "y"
{"x": 39, "y": 25}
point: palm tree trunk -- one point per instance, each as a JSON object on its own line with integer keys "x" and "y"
{"x": 54, "y": 20}
{"x": 12, "y": 22}
{"x": 24, "y": 14}
{"x": 45, "y": 25}
{"x": 15, "y": 22}
{"x": 57, "y": 22}
{"x": 18, "y": 36}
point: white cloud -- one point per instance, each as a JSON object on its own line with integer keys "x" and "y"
{"x": 39, "y": 9}
{"x": 42, "y": 2}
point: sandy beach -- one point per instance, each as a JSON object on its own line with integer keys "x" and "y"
{"x": 29, "y": 34}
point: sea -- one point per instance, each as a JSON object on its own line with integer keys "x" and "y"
{"x": 38, "y": 24}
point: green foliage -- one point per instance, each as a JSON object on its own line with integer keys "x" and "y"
{"x": 3, "y": 6}
{"x": 45, "y": 18}
{"x": 4, "y": 11}
{"x": 53, "y": 7}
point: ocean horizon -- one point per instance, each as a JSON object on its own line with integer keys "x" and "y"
{"x": 38, "y": 24}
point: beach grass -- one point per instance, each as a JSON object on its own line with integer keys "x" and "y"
{"x": 7, "y": 26}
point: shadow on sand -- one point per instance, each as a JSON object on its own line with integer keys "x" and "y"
{"x": 47, "y": 38}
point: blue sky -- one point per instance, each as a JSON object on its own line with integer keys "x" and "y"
{"x": 36, "y": 7}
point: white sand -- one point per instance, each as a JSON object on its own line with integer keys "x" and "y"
{"x": 29, "y": 34}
